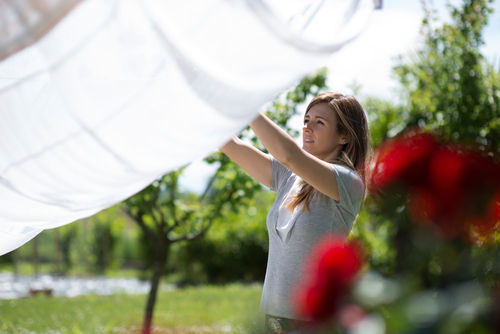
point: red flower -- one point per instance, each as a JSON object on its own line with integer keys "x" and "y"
{"x": 422, "y": 205}
{"x": 330, "y": 269}
{"x": 446, "y": 168}
{"x": 482, "y": 172}
{"x": 446, "y": 184}
{"x": 402, "y": 160}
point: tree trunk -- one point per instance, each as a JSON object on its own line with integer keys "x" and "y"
{"x": 158, "y": 269}
{"x": 36, "y": 258}
{"x": 106, "y": 249}
{"x": 57, "y": 258}
{"x": 15, "y": 262}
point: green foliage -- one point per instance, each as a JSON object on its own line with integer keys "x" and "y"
{"x": 384, "y": 119}
{"x": 88, "y": 247}
{"x": 449, "y": 85}
{"x": 106, "y": 227}
{"x": 235, "y": 248}
{"x": 434, "y": 283}
{"x": 449, "y": 88}
{"x": 375, "y": 232}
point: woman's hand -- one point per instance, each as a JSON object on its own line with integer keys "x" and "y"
{"x": 282, "y": 146}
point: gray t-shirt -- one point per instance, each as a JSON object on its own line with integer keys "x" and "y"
{"x": 293, "y": 234}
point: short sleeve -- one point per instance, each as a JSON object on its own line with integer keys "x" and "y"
{"x": 351, "y": 188}
{"x": 279, "y": 173}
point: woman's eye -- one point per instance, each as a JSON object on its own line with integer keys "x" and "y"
{"x": 306, "y": 121}
{"x": 320, "y": 122}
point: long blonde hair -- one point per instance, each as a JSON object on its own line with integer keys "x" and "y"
{"x": 351, "y": 122}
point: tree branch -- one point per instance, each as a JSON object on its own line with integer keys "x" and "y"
{"x": 147, "y": 232}
{"x": 194, "y": 236}
{"x": 215, "y": 212}
{"x": 177, "y": 222}
{"x": 209, "y": 184}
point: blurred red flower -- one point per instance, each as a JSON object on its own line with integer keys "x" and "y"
{"x": 422, "y": 205}
{"x": 329, "y": 271}
{"x": 402, "y": 160}
{"x": 447, "y": 184}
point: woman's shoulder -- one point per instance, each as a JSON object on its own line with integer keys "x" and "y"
{"x": 279, "y": 167}
{"x": 349, "y": 180}
{"x": 280, "y": 175}
{"x": 345, "y": 171}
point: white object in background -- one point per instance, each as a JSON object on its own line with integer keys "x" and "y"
{"x": 120, "y": 92}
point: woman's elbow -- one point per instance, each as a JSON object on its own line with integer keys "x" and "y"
{"x": 229, "y": 146}
{"x": 290, "y": 156}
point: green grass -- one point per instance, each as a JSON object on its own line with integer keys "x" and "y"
{"x": 26, "y": 268}
{"x": 207, "y": 309}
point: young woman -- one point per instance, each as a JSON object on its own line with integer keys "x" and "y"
{"x": 319, "y": 188}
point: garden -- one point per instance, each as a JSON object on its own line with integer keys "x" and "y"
{"x": 423, "y": 255}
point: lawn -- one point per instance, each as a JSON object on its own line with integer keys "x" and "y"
{"x": 206, "y": 309}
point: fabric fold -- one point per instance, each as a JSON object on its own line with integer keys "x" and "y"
{"x": 117, "y": 93}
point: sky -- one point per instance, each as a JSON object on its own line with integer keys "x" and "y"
{"x": 367, "y": 61}
{"x": 394, "y": 31}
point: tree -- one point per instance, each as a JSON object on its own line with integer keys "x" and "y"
{"x": 438, "y": 223}
{"x": 448, "y": 85}
{"x": 448, "y": 88}
{"x": 106, "y": 228}
{"x": 167, "y": 216}
{"x": 238, "y": 238}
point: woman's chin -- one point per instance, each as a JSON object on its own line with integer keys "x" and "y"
{"x": 307, "y": 145}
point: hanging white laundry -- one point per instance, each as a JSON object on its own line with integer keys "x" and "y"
{"x": 100, "y": 97}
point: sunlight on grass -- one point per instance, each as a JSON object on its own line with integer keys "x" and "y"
{"x": 206, "y": 309}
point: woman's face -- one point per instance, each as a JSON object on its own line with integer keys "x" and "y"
{"x": 319, "y": 134}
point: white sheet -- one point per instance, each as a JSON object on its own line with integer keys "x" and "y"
{"x": 111, "y": 94}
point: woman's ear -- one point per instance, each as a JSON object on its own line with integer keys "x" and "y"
{"x": 344, "y": 140}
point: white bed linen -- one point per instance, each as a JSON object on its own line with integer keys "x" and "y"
{"x": 100, "y": 97}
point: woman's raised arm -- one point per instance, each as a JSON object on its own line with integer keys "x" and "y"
{"x": 253, "y": 161}
{"x": 282, "y": 146}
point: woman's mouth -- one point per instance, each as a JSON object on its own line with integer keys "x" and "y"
{"x": 307, "y": 140}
